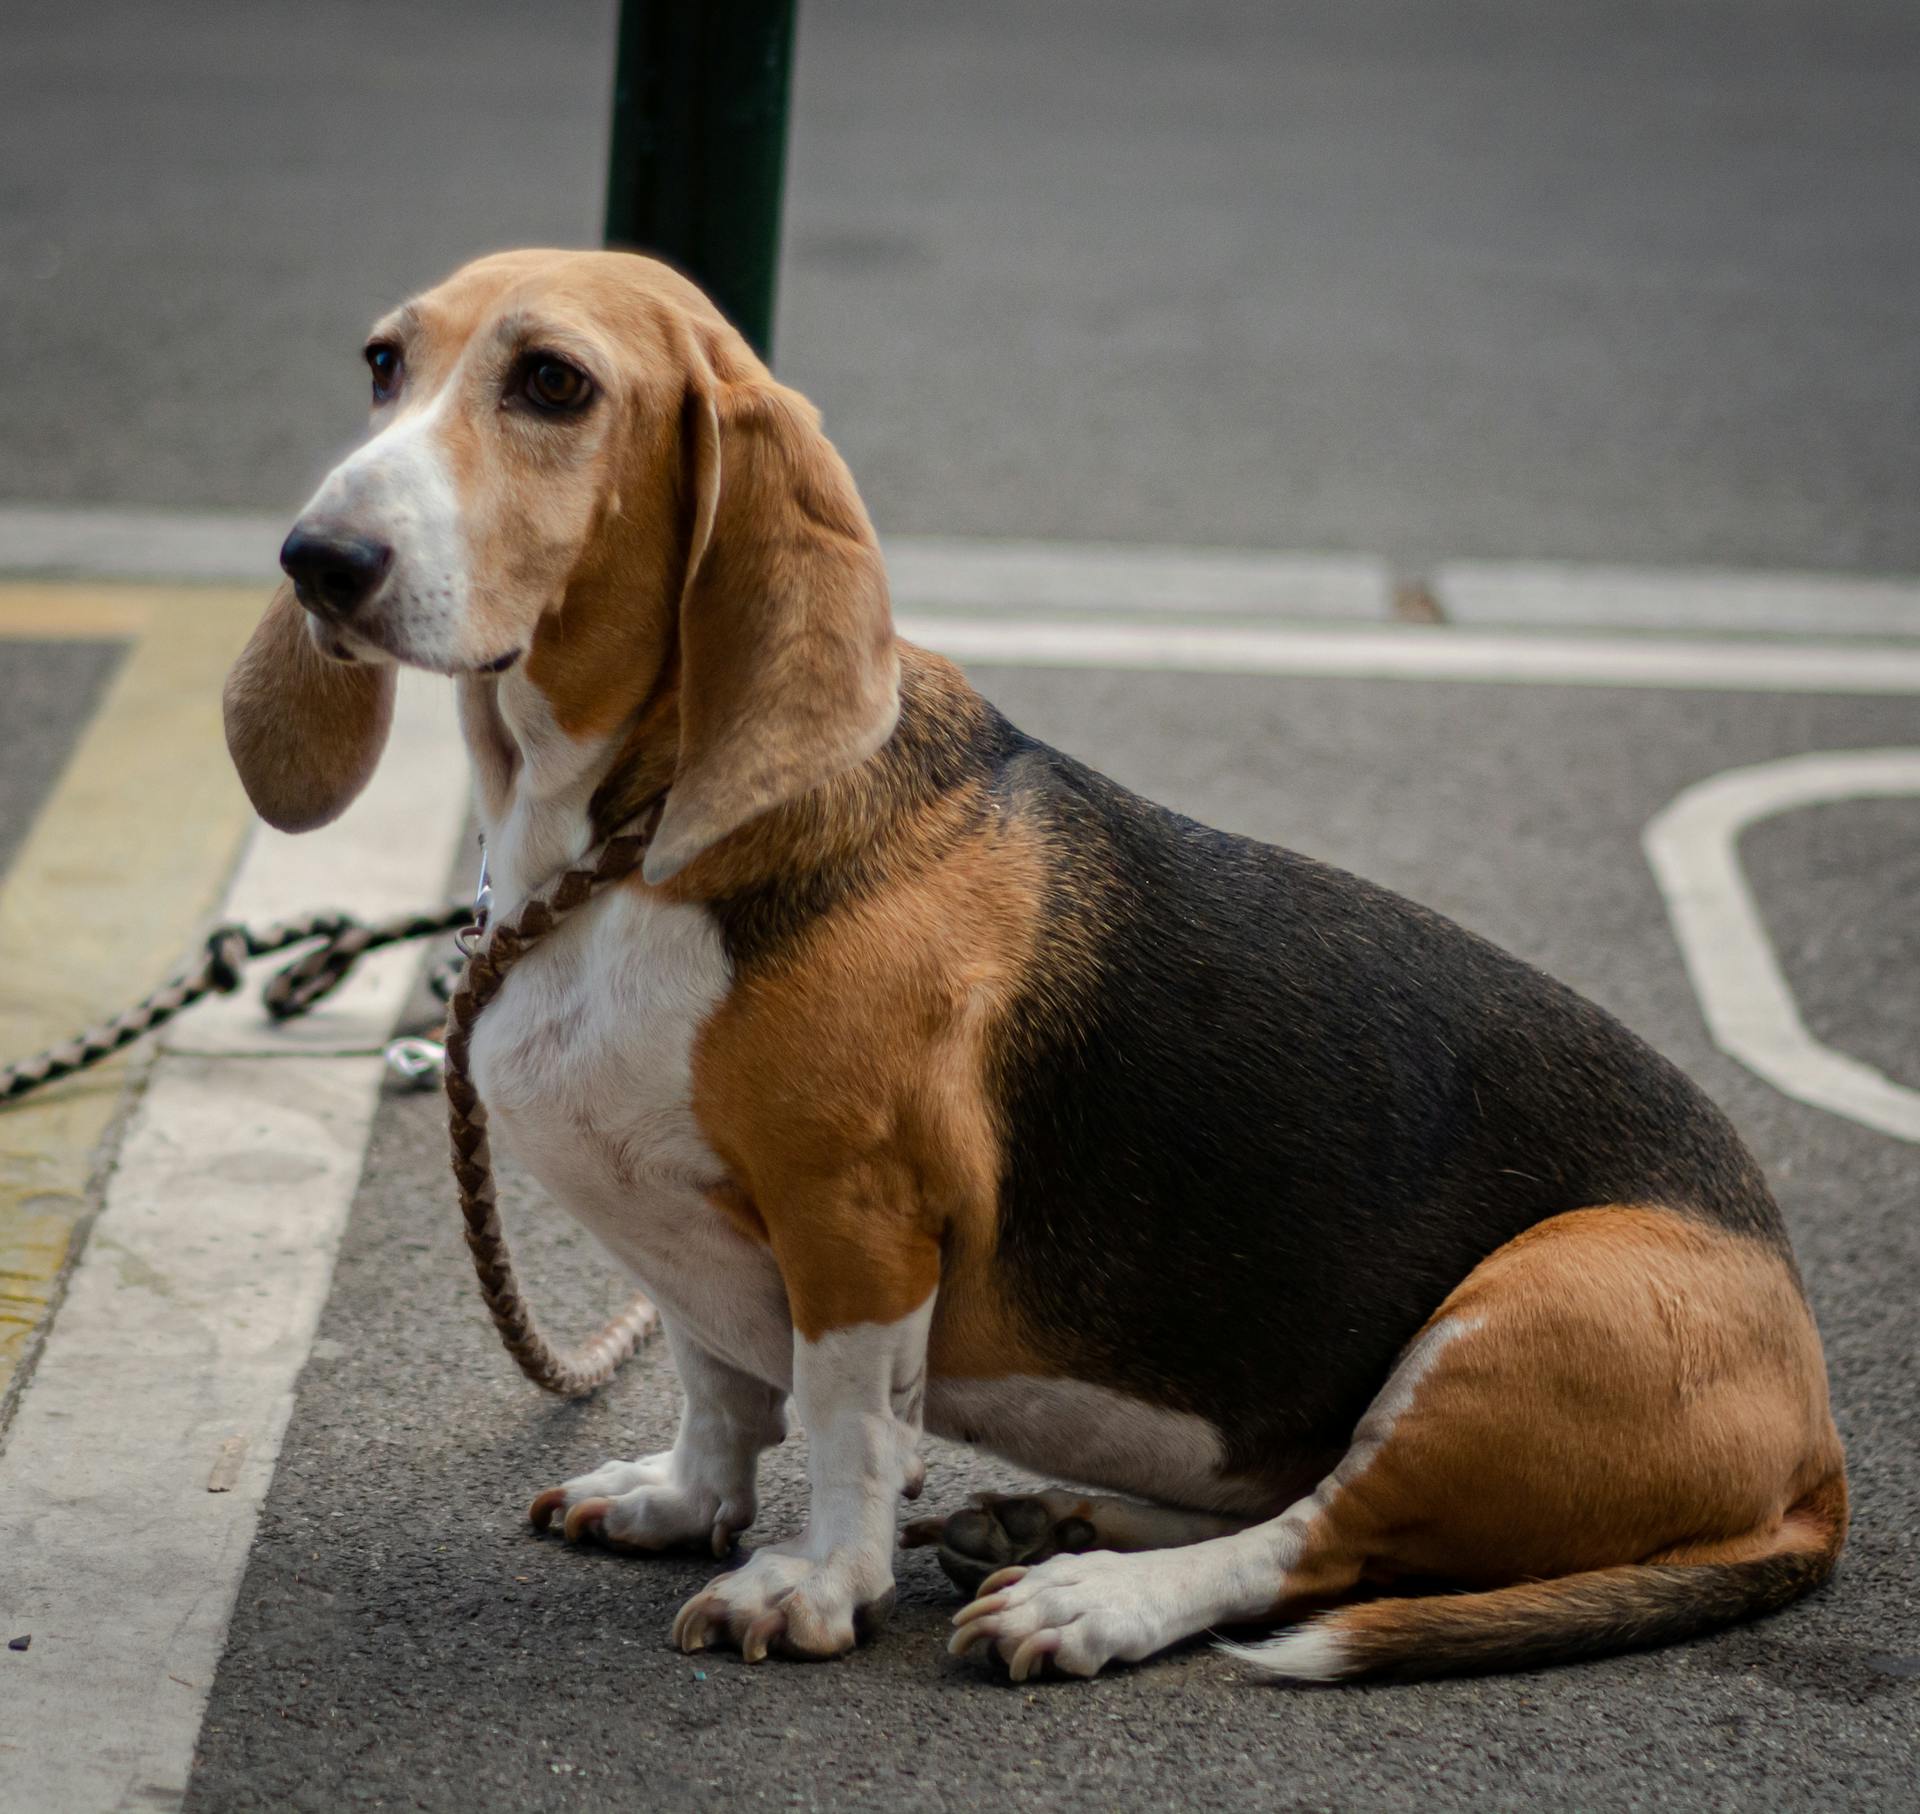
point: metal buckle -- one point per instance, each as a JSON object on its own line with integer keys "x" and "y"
{"x": 468, "y": 938}
{"x": 483, "y": 891}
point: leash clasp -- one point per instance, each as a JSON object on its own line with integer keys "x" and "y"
{"x": 468, "y": 937}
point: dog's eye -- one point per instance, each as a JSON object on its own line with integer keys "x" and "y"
{"x": 554, "y": 385}
{"x": 384, "y": 362}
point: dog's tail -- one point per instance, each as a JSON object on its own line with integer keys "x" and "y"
{"x": 1562, "y": 1620}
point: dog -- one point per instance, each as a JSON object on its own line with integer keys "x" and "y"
{"x": 928, "y": 1079}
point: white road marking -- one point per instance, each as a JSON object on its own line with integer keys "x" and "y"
{"x": 936, "y": 573}
{"x": 1571, "y": 596}
{"x": 82, "y": 542}
{"x": 136, "y": 1464}
{"x": 1428, "y": 653}
{"x": 1693, "y": 846}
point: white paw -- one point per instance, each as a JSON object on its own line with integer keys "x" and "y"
{"x": 647, "y": 1504}
{"x": 781, "y": 1600}
{"x": 1078, "y": 1613}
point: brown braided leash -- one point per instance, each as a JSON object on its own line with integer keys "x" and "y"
{"x": 572, "y": 1372}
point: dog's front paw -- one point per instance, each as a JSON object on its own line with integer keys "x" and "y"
{"x": 783, "y": 1602}
{"x": 643, "y": 1505}
{"x": 1075, "y": 1613}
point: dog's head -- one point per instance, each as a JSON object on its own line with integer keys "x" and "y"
{"x": 580, "y": 479}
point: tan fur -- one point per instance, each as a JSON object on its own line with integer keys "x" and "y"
{"x": 1635, "y": 1387}
{"x": 305, "y": 731}
{"x": 693, "y": 538}
{"x": 846, "y": 1091}
{"x": 788, "y": 667}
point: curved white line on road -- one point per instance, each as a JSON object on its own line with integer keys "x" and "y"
{"x": 1693, "y": 845}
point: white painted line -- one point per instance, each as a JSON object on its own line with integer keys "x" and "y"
{"x": 134, "y": 1469}
{"x": 69, "y": 542}
{"x": 1418, "y": 653}
{"x": 933, "y": 573}
{"x": 1564, "y": 596}
{"x": 1693, "y": 846}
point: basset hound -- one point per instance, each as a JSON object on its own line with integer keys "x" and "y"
{"x": 928, "y": 1079}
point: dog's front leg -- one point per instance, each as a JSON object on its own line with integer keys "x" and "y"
{"x": 699, "y": 1492}
{"x": 859, "y": 1388}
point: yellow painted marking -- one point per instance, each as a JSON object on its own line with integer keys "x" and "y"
{"x": 117, "y": 876}
{"x": 66, "y": 614}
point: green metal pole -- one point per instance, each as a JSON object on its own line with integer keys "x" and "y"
{"x": 700, "y": 146}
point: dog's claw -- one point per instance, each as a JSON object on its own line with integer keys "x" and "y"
{"x": 976, "y": 1609}
{"x": 1031, "y": 1657}
{"x": 965, "y": 1639}
{"x": 762, "y": 1632}
{"x": 544, "y": 1505}
{"x": 585, "y": 1519}
{"x": 693, "y": 1626}
{"x": 968, "y": 1626}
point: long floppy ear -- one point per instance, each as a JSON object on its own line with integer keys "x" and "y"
{"x": 304, "y": 732}
{"x": 788, "y": 670}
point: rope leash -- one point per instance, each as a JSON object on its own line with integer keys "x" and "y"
{"x": 572, "y": 1372}
{"x": 288, "y": 994}
{"x": 491, "y": 951}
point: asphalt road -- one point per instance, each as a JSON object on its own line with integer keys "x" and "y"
{"x": 1623, "y": 282}
{"x": 402, "y": 1638}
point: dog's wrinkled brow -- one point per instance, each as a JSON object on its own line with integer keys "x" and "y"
{"x": 521, "y": 330}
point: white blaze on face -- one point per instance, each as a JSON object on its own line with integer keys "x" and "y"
{"x": 398, "y": 490}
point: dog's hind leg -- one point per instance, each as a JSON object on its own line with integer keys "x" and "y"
{"x": 1003, "y": 1530}
{"x": 1077, "y": 1612}
{"x": 1618, "y": 1424}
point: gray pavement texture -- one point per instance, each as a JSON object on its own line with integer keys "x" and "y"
{"x": 1624, "y": 281}
{"x": 402, "y": 1639}
{"x": 47, "y": 694}
{"x": 1816, "y": 873}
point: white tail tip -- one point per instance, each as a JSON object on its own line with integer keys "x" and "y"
{"x": 1310, "y": 1653}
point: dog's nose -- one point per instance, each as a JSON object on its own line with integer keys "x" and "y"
{"x": 334, "y": 573}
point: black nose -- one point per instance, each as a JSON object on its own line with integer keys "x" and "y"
{"x": 335, "y": 573}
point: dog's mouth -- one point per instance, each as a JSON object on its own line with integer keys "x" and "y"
{"x": 359, "y": 648}
{"x": 348, "y": 649}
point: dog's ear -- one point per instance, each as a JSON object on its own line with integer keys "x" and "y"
{"x": 788, "y": 670}
{"x": 304, "y": 732}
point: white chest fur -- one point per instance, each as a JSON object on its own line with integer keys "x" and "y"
{"x": 584, "y": 1061}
